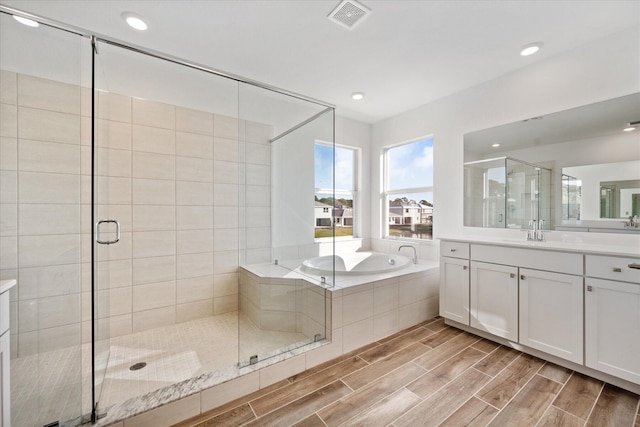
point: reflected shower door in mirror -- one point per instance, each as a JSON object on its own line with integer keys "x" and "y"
{"x": 506, "y": 193}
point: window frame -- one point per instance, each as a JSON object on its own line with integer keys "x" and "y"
{"x": 386, "y": 193}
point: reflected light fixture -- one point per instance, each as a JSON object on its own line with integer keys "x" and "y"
{"x": 134, "y": 21}
{"x": 628, "y": 129}
{"x": 531, "y": 48}
{"x": 357, "y": 96}
{"x": 631, "y": 126}
{"x": 495, "y": 145}
{"x": 26, "y": 21}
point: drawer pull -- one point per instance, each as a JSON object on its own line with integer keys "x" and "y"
{"x": 522, "y": 277}
{"x": 634, "y": 265}
{"x": 464, "y": 267}
{"x": 512, "y": 275}
{"x": 617, "y": 270}
{"x": 452, "y": 250}
{"x": 589, "y": 288}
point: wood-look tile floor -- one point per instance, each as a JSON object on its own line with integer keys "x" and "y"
{"x": 432, "y": 375}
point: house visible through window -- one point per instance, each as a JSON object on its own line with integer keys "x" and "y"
{"x": 408, "y": 190}
{"x": 334, "y": 205}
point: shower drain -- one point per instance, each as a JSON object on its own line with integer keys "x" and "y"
{"x": 137, "y": 366}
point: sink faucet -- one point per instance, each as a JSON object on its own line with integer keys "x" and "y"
{"x": 415, "y": 254}
{"x": 633, "y": 222}
{"x": 536, "y": 234}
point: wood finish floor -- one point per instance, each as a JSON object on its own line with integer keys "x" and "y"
{"x": 432, "y": 375}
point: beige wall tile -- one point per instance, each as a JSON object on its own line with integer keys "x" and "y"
{"x": 59, "y": 337}
{"x": 40, "y": 156}
{"x": 154, "y": 140}
{"x": 357, "y": 307}
{"x": 35, "y": 251}
{"x": 153, "y": 166}
{"x": 154, "y": 114}
{"x": 113, "y": 134}
{"x": 112, "y": 106}
{"x": 113, "y": 274}
{"x": 115, "y": 326}
{"x": 357, "y": 334}
{"x": 151, "y": 217}
{"x": 225, "y": 194}
{"x": 194, "y": 121}
{"x": 258, "y": 175}
{"x": 194, "y": 217}
{"x": 194, "y": 169}
{"x": 258, "y": 217}
{"x": 225, "y": 284}
{"x": 8, "y": 187}
{"x": 168, "y": 414}
{"x": 37, "y": 219}
{"x": 258, "y": 237}
{"x": 194, "y": 310}
{"x": 154, "y": 192}
{"x": 274, "y": 373}
{"x": 9, "y": 220}
{"x": 258, "y": 196}
{"x": 27, "y": 315}
{"x": 27, "y": 344}
{"x": 8, "y": 120}
{"x": 194, "y": 145}
{"x": 8, "y": 87}
{"x": 194, "y": 193}
{"x": 410, "y": 291}
{"x": 110, "y": 190}
{"x": 51, "y": 126}
{"x": 49, "y": 188}
{"x": 385, "y": 298}
{"x": 226, "y": 392}
{"x": 120, "y": 213}
{"x": 154, "y": 243}
{"x": 225, "y": 172}
{"x": 149, "y": 319}
{"x": 194, "y": 265}
{"x": 154, "y": 269}
{"x": 194, "y": 241}
{"x": 8, "y": 253}
{"x": 8, "y": 153}
{"x": 259, "y": 154}
{"x": 385, "y": 324}
{"x": 194, "y": 289}
{"x": 412, "y": 314}
{"x": 58, "y": 311}
{"x": 118, "y": 251}
{"x": 225, "y": 217}
{"x": 258, "y": 132}
{"x": 225, "y": 304}
{"x": 225, "y": 239}
{"x": 154, "y": 295}
{"x": 225, "y": 262}
{"x": 114, "y": 302}
{"x": 225, "y": 149}
{"x": 225, "y": 127}
{"x": 49, "y": 95}
{"x": 326, "y": 352}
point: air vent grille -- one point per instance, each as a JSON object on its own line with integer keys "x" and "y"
{"x": 349, "y": 13}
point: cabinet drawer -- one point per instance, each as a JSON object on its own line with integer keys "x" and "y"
{"x": 454, "y": 249}
{"x": 614, "y": 268}
{"x": 4, "y": 312}
{"x": 561, "y": 262}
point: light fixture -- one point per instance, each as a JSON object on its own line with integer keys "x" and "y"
{"x": 26, "y": 21}
{"x": 357, "y": 96}
{"x": 134, "y": 21}
{"x": 631, "y": 126}
{"x": 629, "y": 129}
{"x": 531, "y": 48}
{"x": 495, "y": 145}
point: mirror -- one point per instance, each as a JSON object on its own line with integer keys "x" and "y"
{"x": 591, "y": 137}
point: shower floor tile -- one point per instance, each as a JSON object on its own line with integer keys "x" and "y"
{"x": 47, "y": 387}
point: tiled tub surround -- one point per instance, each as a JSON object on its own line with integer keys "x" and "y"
{"x": 363, "y": 309}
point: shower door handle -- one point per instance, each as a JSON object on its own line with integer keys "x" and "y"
{"x": 107, "y": 242}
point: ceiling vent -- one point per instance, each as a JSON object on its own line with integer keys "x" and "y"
{"x": 349, "y": 13}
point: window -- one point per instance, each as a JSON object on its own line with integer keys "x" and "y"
{"x": 408, "y": 190}
{"x": 334, "y": 205}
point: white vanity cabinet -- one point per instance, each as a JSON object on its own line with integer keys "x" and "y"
{"x": 5, "y": 354}
{"x": 551, "y": 313}
{"x": 494, "y": 299}
{"x": 612, "y": 316}
{"x": 454, "y": 281}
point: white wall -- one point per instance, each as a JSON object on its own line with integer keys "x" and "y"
{"x": 604, "y": 69}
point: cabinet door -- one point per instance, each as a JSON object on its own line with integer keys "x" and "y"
{"x": 494, "y": 299}
{"x": 612, "y": 323}
{"x": 5, "y": 399}
{"x": 551, "y": 313}
{"x": 454, "y": 289}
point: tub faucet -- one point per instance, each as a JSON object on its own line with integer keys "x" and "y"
{"x": 415, "y": 254}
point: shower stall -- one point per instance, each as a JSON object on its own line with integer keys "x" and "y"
{"x": 506, "y": 193}
{"x": 135, "y": 187}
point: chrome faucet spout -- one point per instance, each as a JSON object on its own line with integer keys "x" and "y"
{"x": 415, "y": 254}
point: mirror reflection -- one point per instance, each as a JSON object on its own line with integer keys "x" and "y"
{"x": 602, "y": 138}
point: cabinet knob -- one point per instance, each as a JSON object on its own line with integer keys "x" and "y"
{"x": 617, "y": 270}
{"x": 634, "y": 265}
{"x": 589, "y": 288}
{"x": 464, "y": 267}
{"x": 512, "y": 275}
{"x": 452, "y": 250}
{"x": 522, "y": 277}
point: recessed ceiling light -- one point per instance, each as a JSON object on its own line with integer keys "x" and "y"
{"x": 135, "y": 21}
{"x": 495, "y": 145}
{"x": 357, "y": 96}
{"x": 629, "y": 129}
{"x": 26, "y": 21}
{"x": 531, "y": 48}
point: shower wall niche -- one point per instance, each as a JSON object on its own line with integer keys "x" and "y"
{"x": 506, "y": 193}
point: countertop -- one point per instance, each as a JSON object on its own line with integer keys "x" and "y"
{"x": 5, "y": 285}
{"x": 615, "y": 245}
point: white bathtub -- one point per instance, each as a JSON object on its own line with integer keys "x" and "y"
{"x": 355, "y": 264}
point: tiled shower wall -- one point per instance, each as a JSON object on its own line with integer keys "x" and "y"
{"x": 175, "y": 178}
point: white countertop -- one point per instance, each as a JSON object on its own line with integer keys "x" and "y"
{"x": 616, "y": 245}
{"x": 5, "y": 285}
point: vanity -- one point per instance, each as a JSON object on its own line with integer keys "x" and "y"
{"x": 5, "y": 353}
{"x": 570, "y": 300}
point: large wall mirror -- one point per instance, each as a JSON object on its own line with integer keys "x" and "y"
{"x": 592, "y": 153}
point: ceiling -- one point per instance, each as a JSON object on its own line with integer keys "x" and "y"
{"x": 403, "y": 55}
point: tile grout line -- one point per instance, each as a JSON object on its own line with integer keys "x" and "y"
{"x": 595, "y": 402}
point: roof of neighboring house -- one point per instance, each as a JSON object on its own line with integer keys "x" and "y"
{"x": 322, "y": 205}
